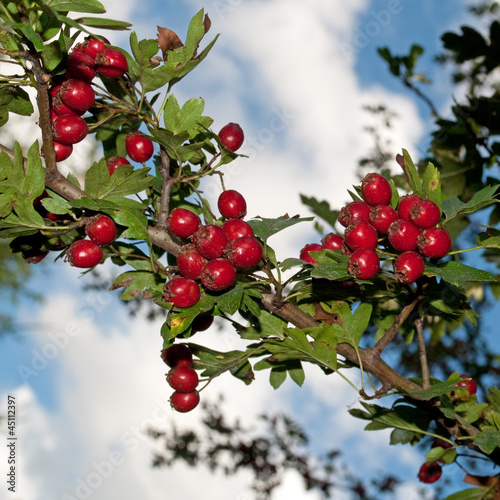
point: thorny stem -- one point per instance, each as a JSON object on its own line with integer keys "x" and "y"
{"x": 419, "y": 324}
{"x": 166, "y": 189}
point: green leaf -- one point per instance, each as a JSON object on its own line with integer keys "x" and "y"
{"x": 481, "y": 199}
{"x": 230, "y": 301}
{"x": 438, "y": 453}
{"x": 457, "y": 273}
{"x": 15, "y": 100}
{"x": 488, "y": 441}
{"x": 189, "y": 119}
{"x": 265, "y": 228}
{"x": 52, "y": 55}
{"x": 86, "y": 6}
{"x": 296, "y": 373}
{"x": 489, "y": 239}
{"x": 137, "y": 282}
{"x": 276, "y": 377}
{"x": 136, "y": 223}
{"x": 353, "y": 324}
{"x": 437, "y": 388}
{"x": 411, "y": 174}
{"x": 103, "y": 23}
{"x": 321, "y": 209}
{"x": 470, "y": 494}
{"x": 431, "y": 184}
{"x": 331, "y": 271}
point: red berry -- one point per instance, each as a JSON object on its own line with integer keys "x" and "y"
{"x": 311, "y": 247}
{"x": 111, "y": 63}
{"x": 182, "y": 222}
{"x": 231, "y": 136}
{"x": 181, "y": 292}
{"x": 408, "y": 267}
{"x": 201, "y": 323}
{"x": 405, "y": 204}
{"x": 93, "y": 46}
{"x": 244, "y": 253}
{"x": 382, "y": 216}
{"x": 332, "y": 241}
{"x": 376, "y": 190}
{"x": 470, "y": 385}
{"x": 138, "y": 147}
{"x": 218, "y": 274}
{"x": 360, "y": 234}
{"x": 232, "y": 205}
{"x": 429, "y": 473}
{"x": 81, "y": 66}
{"x": 69, "y": 129}
{"x": 34, "y": 258}
{"x": 363, "y": 264}
{"x": 182, "y": 379}
{"x": 434, "y": 242}
{"x": 102, "y": 230}
{"x": 190, "y": 262}
{"x": 236, "y": 228}
{"x": 356, "y": 210}
{"x": 425, "y": 214}
{"x": 114, "y": 162}
{"x": 210, "y": 241}
{"x": 77, "y": 95}
{"x": 403, "y": 235}
{"x": 184, "y": 401}
{"x": 177, "y": 355}
{"x": 63, "y": 151}
{"x": 84, "y": 253}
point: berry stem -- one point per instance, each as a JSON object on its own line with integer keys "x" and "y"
{"x": 455, "y": 252}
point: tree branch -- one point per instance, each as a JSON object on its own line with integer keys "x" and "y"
{"x": 166, "y": 188}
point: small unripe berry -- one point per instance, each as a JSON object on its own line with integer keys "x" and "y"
{"x": 375, "y": 189}
{"x": 181, "y": 292}
{"x": 84, "y": 253}
{"x": 231, "y": 136}
{"x": 311, "y": 247}
{"x": 232, "y": 204}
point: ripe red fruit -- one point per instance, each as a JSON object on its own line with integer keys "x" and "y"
{"x": 34, "y": 258}
{"x": 376, "y": 190}
{"x": 332, "y": 241}
{"x": 244, "y": 253}
{"x": 63, "y": 151}
{"x": 363, "y": 264}
{"x": 425, "y": 214}
{"x": 69, "y": 129}
{"x": 210, "y": 241}
{"x": 190, "y": 262}
{"x": 182, "y": 379}
{"x": 77, "y": 95}
{"x": 311, "y": 247}
{"x": 81, "y": 66}
{"x": 111, "y": 63}
{"x": 177, "y": 355}
{"x": 184, "y": 401}
{"x": 356, "y": 210}
{"x": 231, "y": 136}
{"x": 403, "y": 235}
{"x": 102, "y": 230}
{"x": 382, "y": 216}
{"x": 434, "y": 242}
{"x": 232, "y": 205}
{"x": 429, "y": 473}
{"x": 405, "y": 204}
{"x": 218, "y": 274}
{"x": 114, "y": 162}
{"x": 93, "y": 46}
{"x": 236, "y": 228}
{"x": 360, "y": 234}
{"x": 470, "y": 385}
{"x": 201, "y": 323}
{"x": 408, "y": 267}
{"x": 84, "y": 253}
{"x": 181, "y": 292}
{"x": 138, "y": 147}
{"x": 182, "y": 222}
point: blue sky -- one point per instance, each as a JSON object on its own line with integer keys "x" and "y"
{"x": 276, "y": 62}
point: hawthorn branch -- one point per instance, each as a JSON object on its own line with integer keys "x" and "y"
{"x": 166, "y": 189}
{"x": 419, "y": 324}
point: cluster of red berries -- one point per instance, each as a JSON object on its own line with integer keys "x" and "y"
{"x": 88, "y": 252}
{"x": 212, "y": 254}
{"x": 74, "y": 96}
{"x": 411, "y": 229}
{"x": 181, "y": 377}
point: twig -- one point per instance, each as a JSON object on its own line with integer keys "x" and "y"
{"x": 166, "y": 188}
{"x": 419, "y": 324}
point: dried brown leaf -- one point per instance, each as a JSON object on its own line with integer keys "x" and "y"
{"x": 168, "y": 40}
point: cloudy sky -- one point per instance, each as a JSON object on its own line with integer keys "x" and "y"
{"x": 88, "y": 378}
